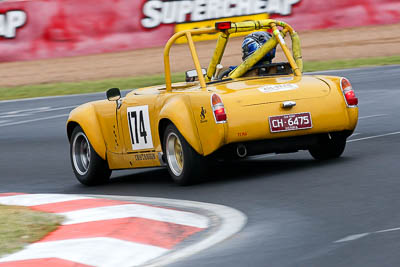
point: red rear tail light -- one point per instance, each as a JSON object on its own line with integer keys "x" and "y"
{"x": 226, "y": 25}
{"x": 218, "y": 109}
{"x": 348, "y": 92}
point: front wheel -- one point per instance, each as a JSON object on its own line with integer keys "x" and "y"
{"x": 88, "y": 166}
{"x": 184, "y": 164}
{"x": 329, "y": 149}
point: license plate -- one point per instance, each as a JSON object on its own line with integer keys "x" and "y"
{"x": 290, "y": 122}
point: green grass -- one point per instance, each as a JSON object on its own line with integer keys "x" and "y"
{"x": 137, "y": 82}
{"x": 351, "y": 63}
{"x": 53, "y": 89}
{"x": 20, "y": 226}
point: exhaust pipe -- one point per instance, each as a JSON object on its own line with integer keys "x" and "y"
{"x": 241, "y": 151}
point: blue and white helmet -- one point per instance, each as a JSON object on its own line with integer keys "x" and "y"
{"x": 254, "y": 41}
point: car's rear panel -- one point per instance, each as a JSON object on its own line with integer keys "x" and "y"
{"x": 250, "y": 103}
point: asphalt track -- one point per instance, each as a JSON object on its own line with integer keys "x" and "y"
{"x": 300, "y": 212}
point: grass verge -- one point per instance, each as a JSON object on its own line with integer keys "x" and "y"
{"x": 350, "y": 63}
{"x": 137, "y": 82}
{"x": 69, "y": 88}
{"x": 20, "y": 226}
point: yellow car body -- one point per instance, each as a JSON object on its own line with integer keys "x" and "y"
{"x": 129, "y": 132}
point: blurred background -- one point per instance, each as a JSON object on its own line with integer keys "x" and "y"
{"x": 46, "y": 42}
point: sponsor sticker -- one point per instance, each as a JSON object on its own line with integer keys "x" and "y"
{"x": 145, "y": 156}
{"x": 203, "y": 113}
{"x": 278, "y": 88}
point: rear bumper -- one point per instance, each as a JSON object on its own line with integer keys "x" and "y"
{"x": 279, "y": 145}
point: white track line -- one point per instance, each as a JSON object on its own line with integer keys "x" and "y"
{"x": 371, "y": 137}
{"x": 372, "y": 116}
{"x": 60, "y": 96}
{"x": 358, "y": 236}
{"x": 49, "y": 97}
{"x": 351, "y": 238}
{"x": 135, "y": 210}
{"x": 38, "y": 110}
{"x": 33, "y": 120}
{"x": 91, "y": 251}
{"x": 31, "y": 112}
{"x": 387, "y": 230}
{"x": 38, "y": 199}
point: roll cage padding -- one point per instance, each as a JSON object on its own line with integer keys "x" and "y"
{"x": 246, "y": 65}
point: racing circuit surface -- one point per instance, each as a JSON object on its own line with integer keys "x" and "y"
{"x": 300, "y": 212}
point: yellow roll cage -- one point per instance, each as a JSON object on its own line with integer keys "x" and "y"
{"x": 294, "y": 60}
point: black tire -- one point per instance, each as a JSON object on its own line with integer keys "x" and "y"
{"x": 184, "y": 165}
{"x": 329, "y": 149}
{"x": 88, "y": 166}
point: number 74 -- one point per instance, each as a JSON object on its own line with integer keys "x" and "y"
{"x": 142, "y": 128}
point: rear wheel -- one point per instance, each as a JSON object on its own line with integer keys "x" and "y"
{"x": 329, "y": 149}
{"x": 88, "y": 166}
{"x": 184, "y": 164}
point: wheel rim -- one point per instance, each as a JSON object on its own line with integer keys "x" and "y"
{"x": 175, "y": 154}
{"x": 81, "y": 153}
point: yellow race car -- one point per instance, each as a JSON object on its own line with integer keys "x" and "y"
{"x": 216, "y": 114}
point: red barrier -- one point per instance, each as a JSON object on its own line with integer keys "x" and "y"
{"x": 34, "y": 29}
{"x": 59, "y": 28}
{"x": 322, "y": 14}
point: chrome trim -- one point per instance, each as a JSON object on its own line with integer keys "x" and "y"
{"x": 160, "y": 158}
{"x": 173, "y": 162}
{"x": 81, "y": 153}
{"x": 241, "y": 151}
{"x": 119, "y": 103}
{"x": 288, "y": 104}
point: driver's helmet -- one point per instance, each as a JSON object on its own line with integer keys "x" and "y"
{"x": 254, "y": 41}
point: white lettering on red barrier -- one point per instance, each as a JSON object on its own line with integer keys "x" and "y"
{"x": 158, "y": 12}
{"x": 10, "y": 22}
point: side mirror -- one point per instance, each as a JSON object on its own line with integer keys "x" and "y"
{"x": 113, "y": 94}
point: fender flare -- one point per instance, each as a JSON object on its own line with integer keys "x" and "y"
{"x": 177, "y": 110}
{"x": 85, "y": 116}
